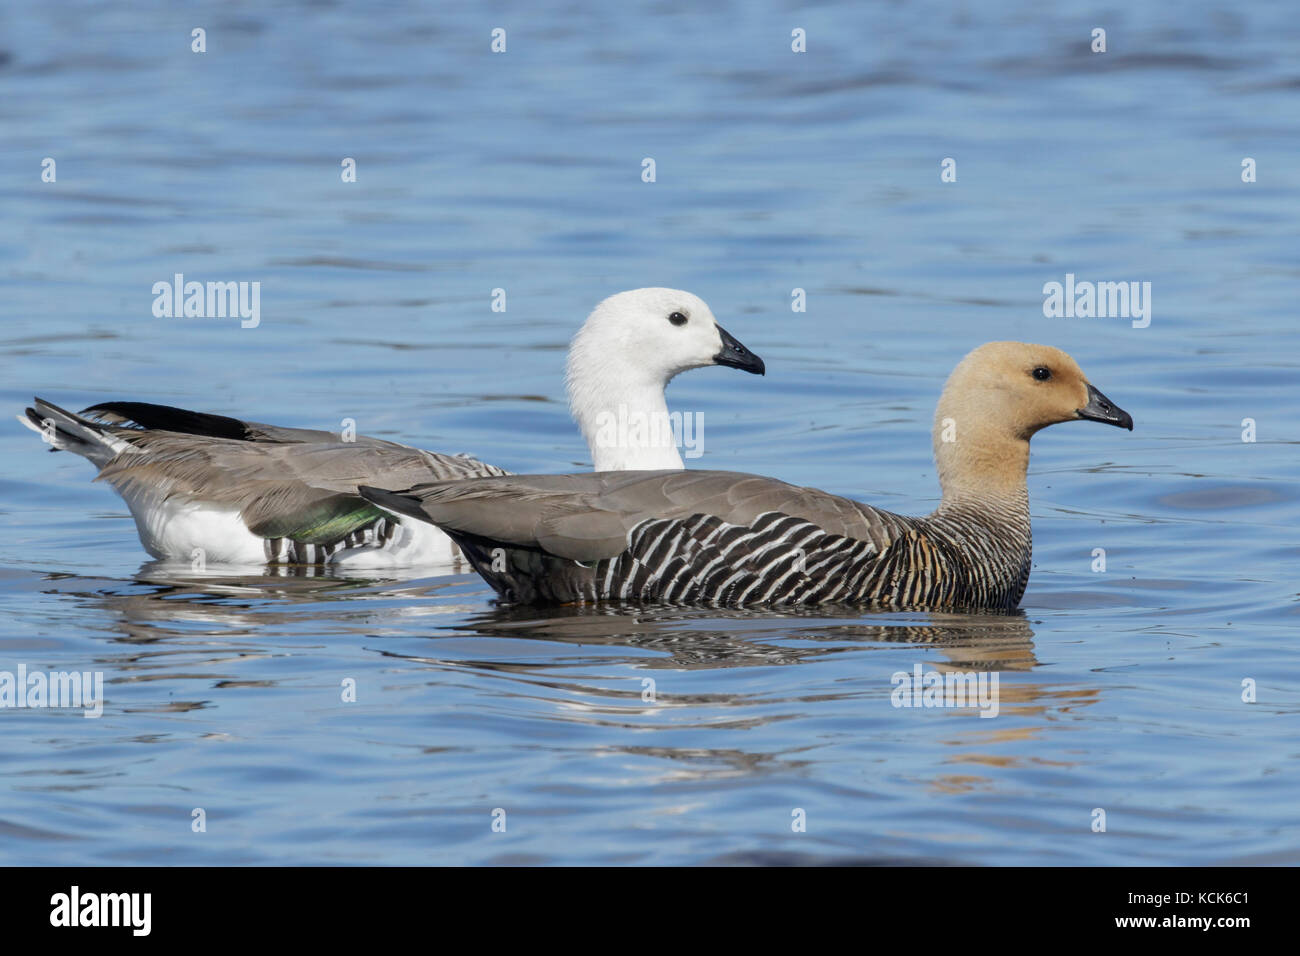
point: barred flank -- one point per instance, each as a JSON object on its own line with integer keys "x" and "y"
{"x": 952, "y": 559}
{"x": 378, "y": 534}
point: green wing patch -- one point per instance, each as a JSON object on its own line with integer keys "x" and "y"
{"x": 324, "y": 521}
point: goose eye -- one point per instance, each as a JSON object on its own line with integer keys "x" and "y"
{"x": 1042, "y": 373}
{"x": 677, "y": 318}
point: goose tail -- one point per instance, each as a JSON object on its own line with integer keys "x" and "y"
{"x": 65, "y": 431}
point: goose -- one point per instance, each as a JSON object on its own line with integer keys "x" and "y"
{"x": 725, "y": 538}
{"x": 238, "y": 492}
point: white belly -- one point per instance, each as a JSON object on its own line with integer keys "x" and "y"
{"x": 178, "y": 530}
{"x": 202, "y": 535}
{"x": 416, "y": 544}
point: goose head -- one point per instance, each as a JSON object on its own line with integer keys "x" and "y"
{"x": 631, "y": 346}
{"x": 655, "y": 335}
{"x": 997, "y": 398}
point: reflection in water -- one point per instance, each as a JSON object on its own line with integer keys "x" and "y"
{"x": 713, "y": 637}
{"x": 687, "y": 637}
{"x": 579, "y": 671}
{"x": 168, "y": 599}
{"x": 227, "y": 614}
{"x": 166, "y": 604}
{"x": 191, "y": 626}
{"x": 197, "y": 626}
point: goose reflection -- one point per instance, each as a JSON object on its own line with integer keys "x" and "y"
{"x": 168, "y": 601}
{"x": 729, "y": 637}
{"x": 181, "y": 622}
{"x": 585, "y": 665}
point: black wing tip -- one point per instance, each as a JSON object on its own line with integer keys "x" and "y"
{"x": 398, "y": 502}
{"x": 143, "y": 416}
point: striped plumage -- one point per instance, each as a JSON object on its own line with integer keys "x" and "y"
{"x": 378, "y": 534}
{"x": 940, "y": 561}
{"x": 724, "y": 538}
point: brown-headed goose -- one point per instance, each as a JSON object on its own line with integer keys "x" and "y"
{"x": 244, "y": 493}
{"x": 712, "y": 537}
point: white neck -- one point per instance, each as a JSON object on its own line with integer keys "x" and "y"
{"x": 625, "y": 421}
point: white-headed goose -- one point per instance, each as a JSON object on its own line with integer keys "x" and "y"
{"x": 244, "y": 493}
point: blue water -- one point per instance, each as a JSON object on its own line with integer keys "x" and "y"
{"x": 1120, "y": 690}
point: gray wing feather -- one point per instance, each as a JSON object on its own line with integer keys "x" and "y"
{"x": 588, "y": 517}
{"x": 268, "y": 481}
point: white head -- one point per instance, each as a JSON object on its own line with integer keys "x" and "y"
{"x": 631, "y": 346}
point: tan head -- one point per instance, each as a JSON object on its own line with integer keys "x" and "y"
{"x": 997, "y": 397}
